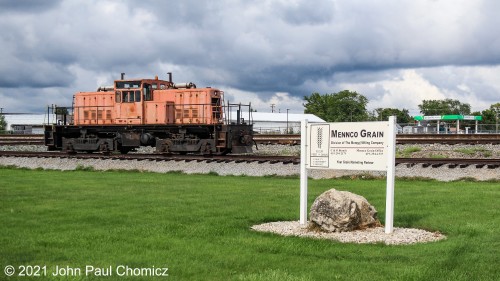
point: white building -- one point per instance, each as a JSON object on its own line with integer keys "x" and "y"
{"x": 25, "y": 123}
{"x": 269, "y": 123}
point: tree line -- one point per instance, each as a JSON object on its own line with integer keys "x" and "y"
{"x": 350, "y": 106}
{"x": 3, "y": 124}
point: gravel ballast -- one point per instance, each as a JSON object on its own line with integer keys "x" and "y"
{"x": 443, "y": 173}
{"x": 399, "y": 236}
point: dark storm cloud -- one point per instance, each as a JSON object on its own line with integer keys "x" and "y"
{"x": 262, "y": 46}
{"x": 27, "y": 6}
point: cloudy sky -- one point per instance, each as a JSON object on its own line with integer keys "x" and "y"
{"x": 394, "y": 52}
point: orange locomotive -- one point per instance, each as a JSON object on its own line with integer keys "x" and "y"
{"x": 177, "y": 118}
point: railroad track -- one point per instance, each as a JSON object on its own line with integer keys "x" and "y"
{"x": 159, "y": 157}
{"x": 425, "y": 162}
{"x": 295, "y": 139}
{"x": 21, "y": 140}
{"x": 450, "y": 162}
{"x": 448, "y": 138}
{"x": 277, "y": 139}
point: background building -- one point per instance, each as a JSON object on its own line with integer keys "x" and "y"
{"x": 20, "y": 123}
{"x": 277, "y": 123}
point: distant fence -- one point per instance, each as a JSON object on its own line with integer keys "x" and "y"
{"x": 277, "y": 130}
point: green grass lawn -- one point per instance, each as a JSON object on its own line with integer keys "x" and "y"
{"x": 199, "y": 227}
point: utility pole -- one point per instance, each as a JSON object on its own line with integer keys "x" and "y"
{"x": 272, "y": 107}
{"x": 287, "y": 131}
{"x": 496, "y": 122}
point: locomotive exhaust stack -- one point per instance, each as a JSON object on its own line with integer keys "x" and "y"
{"x": 188, "y": 85}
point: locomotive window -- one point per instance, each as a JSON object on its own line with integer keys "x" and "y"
{"x": 137, "y": 96}
{"x": 128, "y": 84}
{"x": 124, "y": 97}
{"x": 118, "y": 97}
{"x": 131, "y": 96}
{"x": 148, "y": 94}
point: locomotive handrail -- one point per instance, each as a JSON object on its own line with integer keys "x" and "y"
{"x": 55, "y": 111}
{"x": 239, "y": 114}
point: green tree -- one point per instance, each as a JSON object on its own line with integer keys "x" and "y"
{"x": 444, "y": 107}
{"x": 3, "y": 124}
{"x": 402, "y": 116}
{"x": 491, "y": 117}
{"x": 343, "y": 106}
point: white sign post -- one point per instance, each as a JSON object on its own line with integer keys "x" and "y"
{"x": 367, "y": 146}
{"x": 303, "y": 172}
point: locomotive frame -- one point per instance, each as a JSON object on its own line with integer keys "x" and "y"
{"x": 173, "y": 118}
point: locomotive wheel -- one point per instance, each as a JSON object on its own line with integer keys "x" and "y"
{"x": 206, "y": 149}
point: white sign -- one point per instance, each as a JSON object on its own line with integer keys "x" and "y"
{"x": 433, "y": 117}
{"x": 348, "y": 146}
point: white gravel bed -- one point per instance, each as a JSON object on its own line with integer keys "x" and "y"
{"x": 191, "y": 167}
{"x": 31, "y": 148}
{"x": 400, "y": 236}
{"x": 443, "y": 173}
{"x": 426, "y": 150}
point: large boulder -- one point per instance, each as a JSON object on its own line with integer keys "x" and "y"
{"x": 338, "y": 211}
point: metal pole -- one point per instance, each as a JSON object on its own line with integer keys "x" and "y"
{"x": 249, "y": 113}
{"x": 287, "y": 121}
{"x": 496, "y": 122}
{"x": 303, "y": 173}
{"x": 391, "y": 172}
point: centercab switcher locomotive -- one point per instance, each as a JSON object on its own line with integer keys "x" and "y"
{"x": 173, "y": 118}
